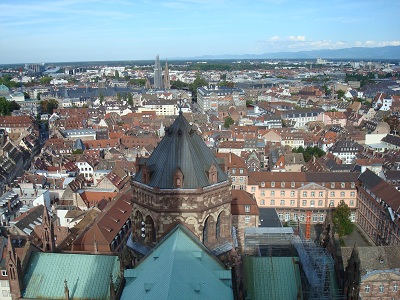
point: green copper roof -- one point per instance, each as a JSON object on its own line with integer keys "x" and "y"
{"x": 271, "y": 278}
{"x": 180, "y": 267}
{"x": 181, "y": 148}
{"x": 88, "y": 276}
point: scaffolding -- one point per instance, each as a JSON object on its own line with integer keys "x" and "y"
{"x": 317, "y": 265}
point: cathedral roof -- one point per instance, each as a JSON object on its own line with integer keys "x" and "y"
{"x": 181, "y": 149}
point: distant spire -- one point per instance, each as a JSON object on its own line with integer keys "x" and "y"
{"x": 167, "y": 83}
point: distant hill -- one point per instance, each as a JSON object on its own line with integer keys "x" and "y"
{"x": 385, "y": 53}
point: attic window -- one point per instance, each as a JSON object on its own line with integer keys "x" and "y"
{"x": 108, "y": 229}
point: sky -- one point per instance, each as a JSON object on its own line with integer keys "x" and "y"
{"x": 95, "y": 30}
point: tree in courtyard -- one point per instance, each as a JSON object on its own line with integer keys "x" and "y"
{"x": 228, "y": 122}
{"x": 340, "y": 94}
{"x": 341, "y": 219}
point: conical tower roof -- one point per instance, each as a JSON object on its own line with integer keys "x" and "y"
{"x": 181, "y": 149}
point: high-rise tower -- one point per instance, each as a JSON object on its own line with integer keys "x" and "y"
{"x": 157, "y": 74}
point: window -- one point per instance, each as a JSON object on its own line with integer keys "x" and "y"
{"x": 272, "y": 193}
{"x": 247, "y": 208}
{"x": 342, "y": 185}
{"x": 241, "y": 179}
{"x": 321, "y": 194}
{"x": 282, "y": 184}
{"x": 247, "y": 219}
{"x": 262, "y": 202}
{"x": 341, "y": 194}
{"x": 302, "y": 218}
{"x": 253, "y": 189}
{"x": 233, "y": 171}
{"x": 332, "y": 185}
{"x": 315, "y": 218}
{"x": 312, "y": 194}
{"x": 262, "y": 184}
{"x": 292, "y": 184}
{"x": 263, "y": 193}
{"x": 287, "y": 216}
{"x": 353, "y": 185}
{"x": 351, "y": 202}
{"x": 321, "y": 218}
{"x": 240, "y": 171}
{"x": 272, "y": 184}
{"x": 282, "y": 193}
{"x": 381, "y": 288}
{"x": 366, "y": 288}
{"x": 304, "y": 194}
{"x": 282, "y": 202}
{"x": 3, "y": 272}
{"x": 332, "y": 194}
{"x": 280, "y": 216}
{"x": 5, "y": 293}
{"x": 295, "y": 217}
{"x": 291, "y": 202}
{"x": 312, "y": 202}
{"x": 395, "y": 287}
{"x": 320, "y": 202}
{"x": 331, "y": 203}
{"x": 272, "y": 202}
{"x": 304, "y": 202}
{"x": 352, "y": 194}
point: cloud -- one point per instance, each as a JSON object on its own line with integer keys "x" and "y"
{"x": 297, "y": 38}
{"x": 274, "y": 38}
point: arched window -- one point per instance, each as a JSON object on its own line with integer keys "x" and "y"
{"x": 218, "y": 227}
{"x": 205, "y": 231}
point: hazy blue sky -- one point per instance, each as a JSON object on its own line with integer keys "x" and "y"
{"x": 76, "y": 30}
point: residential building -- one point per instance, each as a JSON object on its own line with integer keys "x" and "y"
{"x": 294, "y": 194}
{"x": 378, "y": 209}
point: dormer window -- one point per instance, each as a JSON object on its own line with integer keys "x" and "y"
{"x": 263, "y": 184}
{"x": 213, "y": 174}
{"x": 178, "y": 179}
{"x": 247, "y": 208}
{"x": 272, "y": 184}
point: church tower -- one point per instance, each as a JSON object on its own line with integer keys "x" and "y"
{"x": 157, "y": 74}
{"x": 167, "y": 83}
{"x": 182, "y": 182}
{"x": 14, "y": 271}
{"x": 47, "y": 232}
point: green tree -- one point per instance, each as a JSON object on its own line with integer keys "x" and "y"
{"x": 45, "y": 80}
{"x": 198, "y": 82}
{"x": 101, "y": 97}
{"x": 51, "y": 105}
{"x": 77, "y": 151}
{"x": 229, "y": 84}
{"x": 228, "y": 122}
{"x": 340, "y": 94}
{"x": 178, "y": 85}
{"x": 130, "y": 99}
{"x": 4, "y": 107}
{"x": 341, "y": 219}
{"x": 14, "y": 106}
{"x": 26, "y": 95}
{"x": 38, "y": 96}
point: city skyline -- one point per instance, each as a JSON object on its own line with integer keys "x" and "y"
{"x": 48, "y": 31}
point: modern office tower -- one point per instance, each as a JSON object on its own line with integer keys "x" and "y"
{"x": 157, "y": 74}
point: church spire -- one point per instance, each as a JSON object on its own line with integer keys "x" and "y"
{"x": 167, "y": 83}
{"x": 47, "y": 232}
{"x": 14, "y": 271}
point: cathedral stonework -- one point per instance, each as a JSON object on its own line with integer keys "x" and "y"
{"x": 182, "y": 182}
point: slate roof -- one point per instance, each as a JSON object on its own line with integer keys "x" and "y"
{"x": 180, "y": 267}
{"x": 181, "y": 148}
{"x": 87, "y": 276}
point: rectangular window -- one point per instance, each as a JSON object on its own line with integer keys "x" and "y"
{"x": 304, "y": 202}
{"x": 272, "y": 184}
{"x": 352, "y": 194}
{"x": 292, "y": 184}
{"x": 395, "y": 287}
{"x": 315, "y": 218}
{"x": 263, "y": 193}
{"x": 282, "y": 193}
{"x": 272, "y": 202}
{"x": 291, "y": 202}
{"x": 381, "y": 288}
{"x": 292, "y": 193}
{"x": 331, "y": 203}
{"x": 3, "y": 272}
{"x": 312, "y": 202}
{"x": 240, "y": 171}
{"x": 262, "y": 202}
{"x": 272, "y": 193}
{"x": 321, "y": 194}
{"x": 320, "y": 203}
{"x": 321, "y": 218}
{"x": 366, "y": 289}
{"x": 342, "y": 194}
{"x": 282, "y": 202}
{"x": 253, "y": 189}
{"x": 351, "y": 202}
{"x": 247, "y": 219}
{"x": 247, "y": 208}
{"x": 332, "y": 194}
{"x": 304, "y": 194}
{"x": 295, "y": 217}
{"x": 312, "y": 194}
